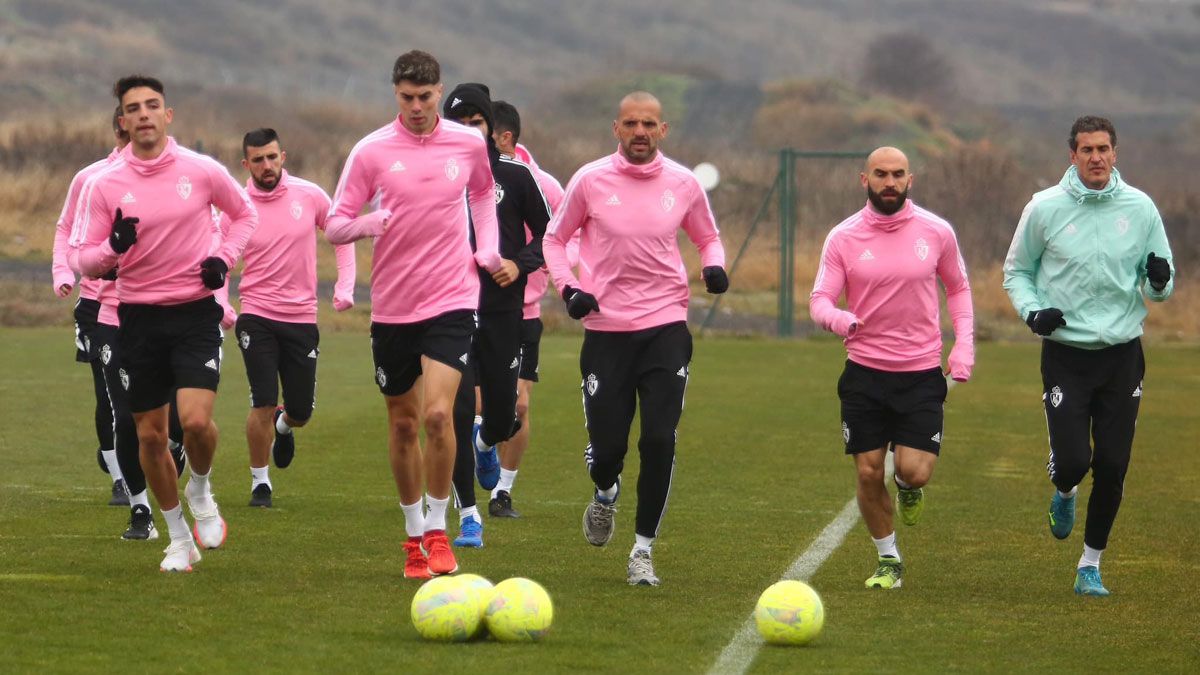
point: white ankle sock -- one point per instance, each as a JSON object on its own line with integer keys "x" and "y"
{"x": 1090, "y": 557}
{"x": 201, "y": 483}
{"x": 414, "y": 518}
{"x": 140, "y": 499}
{"x": 114, "y": 467}
{"x": 901, "y": 484}
{"x": 469, "y": 512}
{"x": 507, "y": 478}
{"x": 259, "y": 476}
{"x": 176, "y": 523}
{"x": 1068, "y": 495}
{"x": 282, "y": 426}
{"x": 887, "y": 546}
{"x": 435, "y": 519}
{"x": 641, "y": 543}
{"x": 609, "y": 494}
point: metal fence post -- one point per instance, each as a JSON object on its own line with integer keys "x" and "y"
{"x": 787, "y": 253}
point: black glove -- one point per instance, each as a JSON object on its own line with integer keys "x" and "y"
{"x": 110, "y": 275}
{"x": 715, "y": 279}
{"x": 1044, "y": 321}
{"x": 1158, "y": 271}
{"x": 124, "y": 234}
{"x": 579, "y": 304}
{"x": 212, "y": 272}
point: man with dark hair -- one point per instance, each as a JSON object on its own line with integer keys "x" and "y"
{"x": 632, "y": 297}
{"x": 519, "y": 202}
{"x": 150, "y": 213}
{"x": 1085, "y": 256}
{"x": 413, "y": 172}
{"x": 277, "y": 329}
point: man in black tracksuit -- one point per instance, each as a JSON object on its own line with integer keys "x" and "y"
{"x": 497, "y": 344}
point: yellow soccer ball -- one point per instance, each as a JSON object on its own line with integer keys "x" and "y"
{"x": 789, "y": 613}
{"x": 520, "y": 611}
{"x": 445, "y": 610}
{"x": 482, "y": 589}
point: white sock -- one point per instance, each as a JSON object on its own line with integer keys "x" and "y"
{"x": 282, "y": 426}
{"x": 414, "y": 518}
{"x": 478, "y": 420}
{"x": 176, "y": 523}
{"x": 1068, "y": 495}
{"x": 887, "y": 546}
{"x": 173, "y": 445}
{"x": 259, "y": 476}
{"x": 469, "y": 512}
{"x": 1090, "y": 557}
{"x": 114, "y": 467}
{"x": 479, "y": 445}
{"x": 140, "y": 499}
{"x": 201, "y": 483}
{"x": 641, "y": 543}
{"x": 435, "y": 519}
{"x": 609, "y": 494}
{"x": 507, "y": 478}
{"x": 901, "y": 484}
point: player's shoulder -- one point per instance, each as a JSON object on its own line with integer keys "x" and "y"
{"x": 95, "y": 176}
{"x": 461, "y": 133}
{"x": 589, "y": 172}
{"x": 681, "y": 172}
{"x": 516, "y": 170}
{"x": 307, "y": 187}
{"x": 201, "y": 160}
{"x": 932, "y": 220}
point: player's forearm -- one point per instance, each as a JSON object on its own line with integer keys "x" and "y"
{"x": 557, "y": 263}
{"x": 241, "y": 228}
{"x": 341, "y": 229}
{"x": 347, "y": 269}
{"x": 95, "y": 260}
{"x": 825, "y": 313}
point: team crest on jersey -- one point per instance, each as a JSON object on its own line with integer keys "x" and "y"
{"x": 1122, "y": 225}
{"x": 1056, "y": 396}
{"x": 184, "y": 187}
{"x": 591, "y": 384}
{"x": 921, "y": 248}
{"x": 380, "y": 376}
{"x": 244, "y": 340}
{"x": 452, "y": 169}
{"x": 845, "y": 432}
{"x": 667, "y": 200}
{"x": 124, "y": 378}
{"x": 499, "y": 194}
{"x": 105, "y": 354}
{"x": 297, "y": 210}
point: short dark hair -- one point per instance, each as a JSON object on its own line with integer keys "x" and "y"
{"x": 417, "y": 67}
{"x": 258, "y": 138}
{"x": 1088, "y": 124}
{"x": 116, "y": 120}
{"x": 506, "y": 118}
{"x": 128, "y": 82}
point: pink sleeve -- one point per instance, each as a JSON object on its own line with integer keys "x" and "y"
{"x": 481, "y": 196}
{"x": 233, "y": 201}
{"x": 952, "y": 270}
{"x": 63, "y": 273}
{"x": 90, "y": 231}
{"x": 344, "y": 224}
{"x": 701, "y": 228}
{"x": 828, "y": 287}
{"x": 347, "y": 265}
{"x": 567, "y": 220}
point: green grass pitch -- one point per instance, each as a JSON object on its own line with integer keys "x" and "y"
{"x": 315, "y": 585}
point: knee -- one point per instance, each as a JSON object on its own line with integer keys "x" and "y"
{"x": 151, "y": 439}
{"x": 438, "y": 421}
{"x": 1066, "y": 473}
{"x": 522, "y": 410}
{"x": 658, "y": 444}
{"x": 915, "y": 477}
{"x": 870, "y": 475}
{"x": 298, "y": 418}
{"x": 195, "y": 423}
{"x": 404, "y": 428}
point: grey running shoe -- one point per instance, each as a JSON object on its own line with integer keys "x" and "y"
{"x": 641, "y": 569}
{"x": 261, "y": 496}
{"x": 141, "y": 524}
{"x": 501, "y": 506}
{"x": 120, "y": 494}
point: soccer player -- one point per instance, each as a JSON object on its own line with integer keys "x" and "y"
{"x": 413, "y": 172}
{"x": 507, "y": 135}
{"x": 888, "y": 259}
{"x": 519, "y": 204}
{"x": 632, "y": 298}
{"x": 277, "y": 328}
{"x": 1085, "y": 255}
{"x": 150, "y": 214}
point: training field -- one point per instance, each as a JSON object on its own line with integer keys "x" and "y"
{"x": 315, "y": 583}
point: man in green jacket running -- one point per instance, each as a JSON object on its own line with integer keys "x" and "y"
{"x": 1085, "y": 255}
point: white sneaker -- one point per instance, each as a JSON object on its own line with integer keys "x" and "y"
{"x": 181, "y": 555}
{"x": 210, "y": 529}
{"x": 641, "y": 569}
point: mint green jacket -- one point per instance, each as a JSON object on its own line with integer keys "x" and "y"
{"x": 1084, "y": 252}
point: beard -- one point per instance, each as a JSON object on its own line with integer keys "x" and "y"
{"x": 268, "y": 184}
{"x": 886, "y": 208}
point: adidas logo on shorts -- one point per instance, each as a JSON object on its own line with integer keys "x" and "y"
{"x": 936, "y": 438}
{"x": 515, "y": 363}
{"x": 212, "y": 363}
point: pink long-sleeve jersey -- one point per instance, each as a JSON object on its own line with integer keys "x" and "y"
{"x": 628, "y": 253}
{"x": 535, "y": 285}
{"x": 172, "y": 195}
{"x": 279, "y": 274}
{"x": 889, "y": 267}
{"x": 422, "y": 265}
{"x": 64, "y": 266}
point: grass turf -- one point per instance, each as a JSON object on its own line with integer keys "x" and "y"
{"x": 315, "y": 583}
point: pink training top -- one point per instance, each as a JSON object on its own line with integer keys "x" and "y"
{"x": 422, "y": 264}
{"x": 535, "y": 285}
{"x": 172, "y": 195}
{"x": 628, "y": 254}
{"x": 279, "y": 273}
{"x": 62, "y": 270}
{"x": 889, "y": 267}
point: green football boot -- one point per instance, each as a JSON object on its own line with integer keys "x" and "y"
{"x": 888, "y": 574}
{"x": 1062, "y": 515}
{"x": 911, "y": 504}
{"x": 1087, "y": 582}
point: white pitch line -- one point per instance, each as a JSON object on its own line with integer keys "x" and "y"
{"x": 739, "y": 654}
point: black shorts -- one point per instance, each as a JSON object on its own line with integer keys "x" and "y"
{"x": 881, "y": 408}
{"x": 397, "y": 348}
{"x": 168, "y": 347}
{"x": 86, "y": 315}
{"x": 531, "y": 340}
{"x": 276, "y": 351}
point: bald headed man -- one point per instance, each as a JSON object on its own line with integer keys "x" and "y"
{"x": 888, "y": 258}
{"x": 632, "y": 298}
